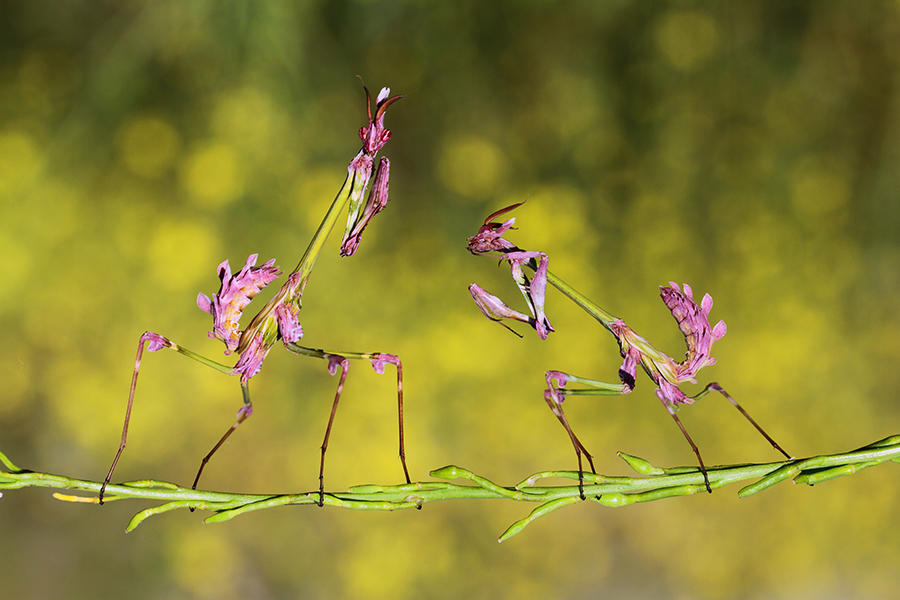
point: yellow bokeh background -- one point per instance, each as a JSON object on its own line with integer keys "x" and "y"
{"x": 748, "y": 149}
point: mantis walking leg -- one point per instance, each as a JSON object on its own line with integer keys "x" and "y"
{"x": 378, "y": 360}
{"x": 342, "y": 360}
{"x": 555, "y": 396}
{"x": 155, "y": 342}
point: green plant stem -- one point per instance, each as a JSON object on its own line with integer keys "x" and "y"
{"x": 653, "y": 483}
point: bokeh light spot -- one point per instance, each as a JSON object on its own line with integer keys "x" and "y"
{"x": 213, "y": 175}
{"x": 180, "y": 253}
{"x": 21, "y": 161}
{"x": 687, "y": 39}
{"x": 247, "y": 118}
{"x": 14, "y": 273}
{"x": 148, "y": 145}
{"x": 471, "y": 166}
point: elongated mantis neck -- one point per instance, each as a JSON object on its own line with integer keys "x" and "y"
{"x": 293, "y": 288}
{"x": 306, "y": 264}
{"x": 575, "y": 296}
{"x": 660, "y": 361}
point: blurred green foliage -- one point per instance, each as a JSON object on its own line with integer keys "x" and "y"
{"x": 749, "y": 149}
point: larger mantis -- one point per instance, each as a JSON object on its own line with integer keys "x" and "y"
{"x": 664, "y": 371}
{"x": 278, "y": 319}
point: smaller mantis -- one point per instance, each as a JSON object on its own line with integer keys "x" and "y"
{"x": 278, "y": 319}
{"x": 666, "y": 373}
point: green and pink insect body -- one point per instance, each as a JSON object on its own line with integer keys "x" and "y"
{"x": 278, "y": 320}
{"x": 665, "y": 372}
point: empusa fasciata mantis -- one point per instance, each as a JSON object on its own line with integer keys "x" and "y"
{"x": 666, "y": 373}
{"x": 278, "y": 318}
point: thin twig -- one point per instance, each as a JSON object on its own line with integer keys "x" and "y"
{"x": 653, "y": 483}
